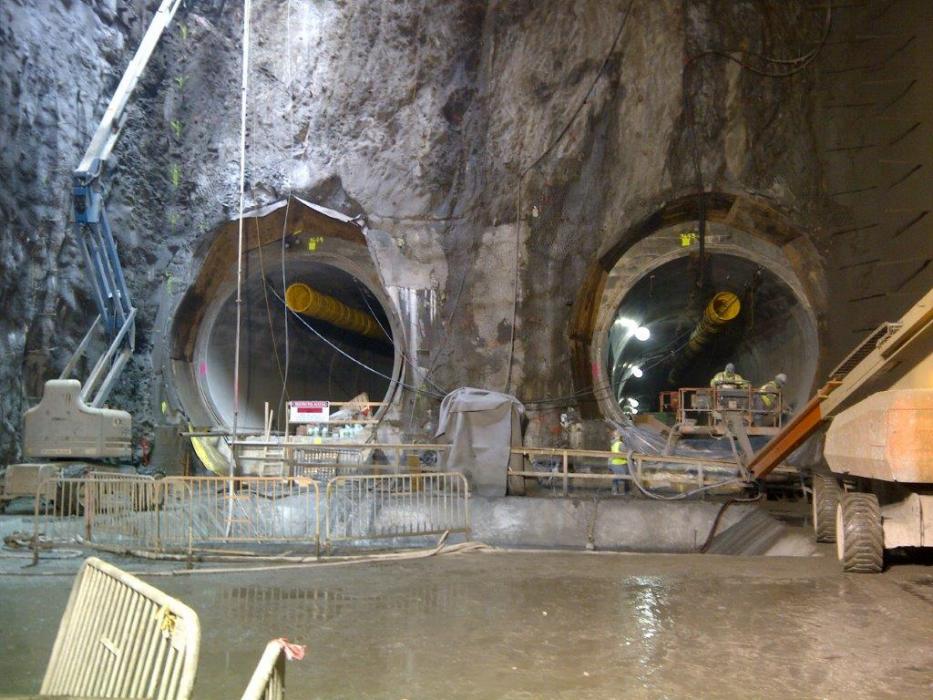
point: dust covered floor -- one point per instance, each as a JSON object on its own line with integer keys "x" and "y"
{"x": 530, "y": 625}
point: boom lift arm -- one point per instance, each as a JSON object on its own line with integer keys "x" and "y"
{"x": 878, "y": 352}
{"x": 70, "y": 421}
{"x": 116, "y": 313}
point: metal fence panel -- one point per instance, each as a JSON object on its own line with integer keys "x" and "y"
{"x": 99, "y": 508}
{"x": 182, "y": 513}
{"x": 396, "y": 505}
{"x": 121, "y": 510}
{"x": 120, "y": 637}
{"x": 268, "y": 680}
{"x": 206, "y": 510}
{"x": 59, "y": 515}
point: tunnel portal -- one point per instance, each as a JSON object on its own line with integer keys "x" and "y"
{"x": 765, "y": 330}
{"x": 340, "y": 346}
{"x": 314, "y": 359}
{"x": 651, "y": 293}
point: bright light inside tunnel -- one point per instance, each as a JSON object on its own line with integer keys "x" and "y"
{"x": 767, "y": 331}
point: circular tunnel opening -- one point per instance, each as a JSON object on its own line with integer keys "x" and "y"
{"x": 324, "y": 353}
{"x": 762, "y": 328}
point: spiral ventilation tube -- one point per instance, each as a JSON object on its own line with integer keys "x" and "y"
{"x": 304, "y": 300}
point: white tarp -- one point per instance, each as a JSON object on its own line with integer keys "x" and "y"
{"x": 481, "y": 427}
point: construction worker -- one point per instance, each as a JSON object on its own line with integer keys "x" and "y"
{"x": 727, "y": 376}
{"x": 766, "y": 399}
{"x": 571, "y": 430}
{"x": 619, "y": 463}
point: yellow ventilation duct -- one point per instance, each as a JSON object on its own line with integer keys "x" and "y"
{"x": 721, "y": 309}
{"x": 304, "y": 300}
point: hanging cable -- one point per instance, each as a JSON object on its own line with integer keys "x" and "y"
{"x": 598, "y": 391}
{"x": 523, "y": 172}
{"x": 288, "y": 184}
{"x": 321, "y": 336}
{"x": 405, "y": 357}
{"x": 586, "y": 96}
{"x": 247, "y": 7}
{"x": 265, "y": 296}
{"x": 796, "y": 64}
{"x": 679, "y": 496}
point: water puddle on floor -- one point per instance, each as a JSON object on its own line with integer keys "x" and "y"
{"x": 527, "y": 626}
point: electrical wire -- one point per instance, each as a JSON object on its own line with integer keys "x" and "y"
{"x": 722, "y": 511}
{"x": 456, "y": 305}
{"x": 679, "y": 496}
{"x": 288, "y": 183}
{"x": 284, "y": 393}
{"x": 265, "y": 296}
{"x": 797, "y": 64}
{"x": 388, "y": 336}
{"x": 605, "y": 387}
{"x": 664, "y": 351}
{"x": 586, "y": 96}
{"x": 244, "y": 88}
{"x": 324, "y": 338}
{"x": 523, "y": 172}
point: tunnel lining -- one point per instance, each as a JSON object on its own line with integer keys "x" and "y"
{"x": 310, "y": 358}
{"x": 742, "y": 212}
{"x": 664, "y": 246}
{"x": 295, "y": 218}
{"x": 312, "y": 235}
{"x": 766, "y": 331}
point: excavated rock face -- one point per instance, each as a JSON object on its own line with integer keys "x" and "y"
{"x": 496, "y": 150}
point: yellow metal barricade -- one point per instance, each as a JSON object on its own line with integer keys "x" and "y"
{"x": 121, "y": 637}
{"x": 122, "y": 510}
{"x": 177, "y": 512}
{"x": 59, "y": 514}
{"x": 196, "y": 511}
{"x": 396, "y": 505}
{"x": 100, "y": 507}
{"x": 268, "y": 680}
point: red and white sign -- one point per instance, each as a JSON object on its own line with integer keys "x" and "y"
{"x": 308, "y": 411}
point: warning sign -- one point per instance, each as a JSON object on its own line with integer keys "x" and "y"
{"x": 308, "y": 411}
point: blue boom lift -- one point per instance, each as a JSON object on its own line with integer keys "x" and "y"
{"x": 71, "y": 422}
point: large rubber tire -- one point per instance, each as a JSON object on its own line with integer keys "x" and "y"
{"x": 860, "y": 533}
{"x": 826, "y": 495}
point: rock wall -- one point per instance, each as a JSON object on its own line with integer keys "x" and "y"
{"x": 495, "y": 149}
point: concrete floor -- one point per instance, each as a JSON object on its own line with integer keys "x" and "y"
{"x": 529, "y": 625}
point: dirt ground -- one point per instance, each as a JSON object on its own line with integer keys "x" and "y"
{"x": 531, "y": 625}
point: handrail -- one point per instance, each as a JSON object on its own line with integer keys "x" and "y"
{"x": 674, "y": 459}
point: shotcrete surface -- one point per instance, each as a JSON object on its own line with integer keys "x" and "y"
{"x": 496, "y": 151}
{"x": 523, "y": 625}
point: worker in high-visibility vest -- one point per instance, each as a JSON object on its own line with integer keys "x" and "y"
{"x": 727, "y": 376}
{"x": 619, "y": 463}
{"x": 766, "y": 399}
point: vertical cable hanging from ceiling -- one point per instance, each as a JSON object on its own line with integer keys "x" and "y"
{"x": 288, "y": 200}
{"x": 247, "y": 7}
